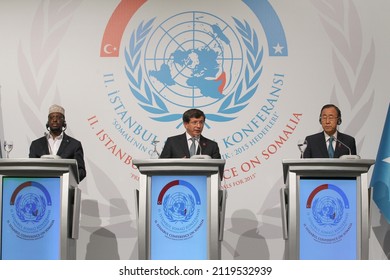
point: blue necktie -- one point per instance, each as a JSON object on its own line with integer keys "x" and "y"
{"x": 330, "y": 148}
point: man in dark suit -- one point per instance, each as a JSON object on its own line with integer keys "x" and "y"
{"x": 179, "y": 146}
{"x": 330, "y": 143}
{"x": 56, "y": 142}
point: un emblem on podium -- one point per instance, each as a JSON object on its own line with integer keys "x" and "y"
{"x": 179, "y": 214}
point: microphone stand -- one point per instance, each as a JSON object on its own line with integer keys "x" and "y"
{"x": 200, "y": 156}
{"x": 350, "y": 156}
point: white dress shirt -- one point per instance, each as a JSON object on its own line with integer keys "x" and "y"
{"x": 54, "y": 143}
{"x": 189, "y": 142}
{"x": 334, "y": 140}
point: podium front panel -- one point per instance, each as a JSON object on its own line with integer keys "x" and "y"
{"x": 329, "y": 221}
{"x": 39, "y": 209}
{"x": 326, "y": 212}
{"x": 179, "y": 209}
{"x": 30, "y": 218}
{"x": 178, "y": 218}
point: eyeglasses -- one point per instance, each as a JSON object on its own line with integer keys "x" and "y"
{"x": 195, "y": 123}
{"x": 329, "y": 118}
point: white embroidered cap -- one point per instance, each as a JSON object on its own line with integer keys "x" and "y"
{"x": 56, "y": 109}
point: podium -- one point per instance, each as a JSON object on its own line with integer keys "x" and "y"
{"x": 181, "y": 209}
{"x": 326, "y": 208}
{"x": 39, "y": 209}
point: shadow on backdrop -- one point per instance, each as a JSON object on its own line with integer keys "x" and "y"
{"x": 102, "y": 244}
{"x": 242, "y": 241}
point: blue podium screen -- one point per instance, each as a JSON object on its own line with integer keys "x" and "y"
{"x": 328, "y": 219}
{"x": 30, "y": 218}
{"x": 178, "y": 222}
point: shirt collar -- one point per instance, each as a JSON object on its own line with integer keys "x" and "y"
{"x": 189, "y": 137}
{"x": 59, "y": 137}
{"x": 327, "y": 136}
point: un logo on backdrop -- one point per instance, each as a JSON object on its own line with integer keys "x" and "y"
{"x": 193, "y": 59}
{"x": 196, "y": 56}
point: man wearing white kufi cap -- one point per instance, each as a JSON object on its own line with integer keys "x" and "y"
{"x": 57, "y": 143}
{"x": 56, "y": 109}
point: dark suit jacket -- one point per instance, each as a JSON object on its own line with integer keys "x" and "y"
{"x": 177, "y": 147}
{"x": 70, "y": 148}
{"x": 316, "y": 146}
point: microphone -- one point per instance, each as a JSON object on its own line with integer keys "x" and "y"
{"x": 200, "y": 156}
{"x": 350, "y": 156}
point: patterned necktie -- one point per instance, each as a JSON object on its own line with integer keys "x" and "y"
{"x": 330, "y": 148}
{"x": 192, "y": 148}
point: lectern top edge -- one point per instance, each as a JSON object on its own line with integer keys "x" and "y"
{"x": 29, "y": 161}
{"x": 181, "y": 161}
{"x": 328, "y": 161}
{"x": 33, "y": 163}
{"x": 326, "y": 164}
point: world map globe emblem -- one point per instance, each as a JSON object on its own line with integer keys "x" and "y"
{"x": 328, "y": 210}
{"x": 179, "y": 207}
{"x": 193, "y": 59}
{"x": 30, "y": 207}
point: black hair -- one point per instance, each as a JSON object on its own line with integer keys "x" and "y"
{"x": 193, "y": 113}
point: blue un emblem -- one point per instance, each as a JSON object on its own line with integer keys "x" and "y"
{"x": 193, "y": 55}
{"x": 193, "y": 59}
{"x": 179, "y": 207}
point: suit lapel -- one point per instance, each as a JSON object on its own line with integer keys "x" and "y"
{"x": 64, "y": 143}
{"x": 184, "y": 144}
{"x": 339, "y": 146}
{"x": 45, "y": 144}
{"x": 202, "y": 144}
{"x": 323, "y": 147}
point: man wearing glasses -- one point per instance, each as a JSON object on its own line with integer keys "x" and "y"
{"x": 192, "y": 142}
{"x": 330, "y": 143}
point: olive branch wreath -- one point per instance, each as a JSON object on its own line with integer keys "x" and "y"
{"x": 38, "y": 64}
{"x": 353, "y": 68}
